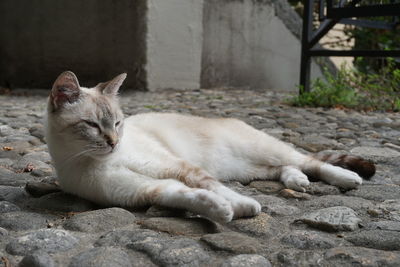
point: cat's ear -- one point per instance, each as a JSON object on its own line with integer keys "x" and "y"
{"x": 65, "y": 89}
{"x": 112, "y": 87}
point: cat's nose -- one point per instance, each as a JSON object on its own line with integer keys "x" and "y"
{"x": 112, "y": 141}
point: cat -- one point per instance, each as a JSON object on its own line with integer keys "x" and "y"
{"x": 172, "y": 160}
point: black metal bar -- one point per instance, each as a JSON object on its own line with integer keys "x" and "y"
{"x": 305, "y": 64}
{"x": 329, "y": 4}
{"x": 326, "y": 25}
{"x": 354, "y": 53}
{"x": 364, "y": 11}
{"x": 321, "y": 13}
{"x": 323, "y": 29}
{"x": 369, "y": 24}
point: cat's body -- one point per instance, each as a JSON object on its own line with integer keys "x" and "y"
{"x": 169, "y": 159}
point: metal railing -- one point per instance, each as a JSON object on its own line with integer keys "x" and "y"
{"x": 343, "y": 12}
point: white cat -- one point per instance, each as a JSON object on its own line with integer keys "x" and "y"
{"x": 170, "y": 159}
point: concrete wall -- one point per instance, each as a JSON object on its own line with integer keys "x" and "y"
{"x": 174, "y": 43}
{"x": 159, "y": 43}
{"x": 246, "y": 44}
{"x": 96, "y": 39}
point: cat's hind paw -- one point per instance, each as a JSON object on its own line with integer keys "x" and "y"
{"x": 340, "y": 177}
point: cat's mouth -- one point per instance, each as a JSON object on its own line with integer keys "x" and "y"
{"x": 104, "y": 151}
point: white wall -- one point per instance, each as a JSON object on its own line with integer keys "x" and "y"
{"x": 245, "y": 44}
{"x": 230, "y": 43}
{"x": 174, "y": 43}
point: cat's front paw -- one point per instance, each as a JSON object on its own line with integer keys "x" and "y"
{"x": 245, "y": 207}
{"x": 213, "y": 206}
{"x": 242, "y": 206}
{"x": 294, "y": 179}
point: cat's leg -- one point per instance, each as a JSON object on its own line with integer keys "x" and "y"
{"x": 294, "y": 171}
{"x": 172, "y": 193}
{"x": 268, "y": 158}
{"x": 196, "y": 177}
{"x": 331, "y": 174}
{"x": 291, "y": 176}
{"x": 127, "y": 188}
{"x": 294, "y": 176}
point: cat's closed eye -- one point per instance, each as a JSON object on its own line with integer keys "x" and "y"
{"x": 92, "y": 124}
{"x": 117, "y": 123}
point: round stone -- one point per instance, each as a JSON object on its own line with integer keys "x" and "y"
{"x": 261, "y": 225}
{"x": 157, "y": 211}
{"x": 62, "y": 202}
{"x": 377, "y": 154}
{"x": 13, "y": 179}
{"x": 355, "y": 203}
{"x": 99, "y": 220}
{"x": 6, "y": 130}
{"x": 384, "y": 225}
{"x": 308, "y": 240}
{"x": 321, "y": 188}
{"x": 293, "y": 257}
{"x": 40, "y": 156}
{"x": 390, "y": 209}
{"x": 124, "y": 237}
{"x": 47, "y": 240}
{"x": 358, "y": 256}
{"x": 376, "y": 192}
{"x": 172, "y": 252}
{"x": 3, "y": 232}
{"x": 232, "y": 242}
{"x": 333, "y": 219}
{"x": 101, "y": 257}
{"x": 6, "y": 206}
{"x": 27, "y": 165}
{"x": 267, "y": 187}
{"x": 246, "y": 260}
{"x": 378, "y": 239}
{"x": 12, "y": 194}
{"x": 37, "y": 259}
{"x": 38, "y": 189}
{"x": 37, "y": 131}
{"x": 22, "y": 220}
{"x": 276, "y": 206}
{"x": 316, "y": 143}
{"x": 180, "y": 226}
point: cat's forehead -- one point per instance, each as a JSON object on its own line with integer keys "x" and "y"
{"x": 102, "y": 106}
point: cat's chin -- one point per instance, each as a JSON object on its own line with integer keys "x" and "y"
{"x": 102, "y": 154}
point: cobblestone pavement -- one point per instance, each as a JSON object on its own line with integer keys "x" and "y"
{"x": 322, "y": 227}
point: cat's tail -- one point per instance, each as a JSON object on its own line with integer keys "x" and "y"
{"x": 365, "y": 168}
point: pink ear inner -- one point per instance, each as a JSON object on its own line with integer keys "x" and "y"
{"x": 65, "y": 89}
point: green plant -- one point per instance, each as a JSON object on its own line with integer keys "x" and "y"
{"x": 375, "y": 39}
{"x": 350, "y": 88}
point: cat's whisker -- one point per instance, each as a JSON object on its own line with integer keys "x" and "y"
{"x": 76, "y": 156}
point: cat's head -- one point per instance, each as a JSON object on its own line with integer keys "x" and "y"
{"x": 87, "y": 120}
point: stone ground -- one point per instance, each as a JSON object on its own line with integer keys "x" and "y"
{"x": 322, "y": 227}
